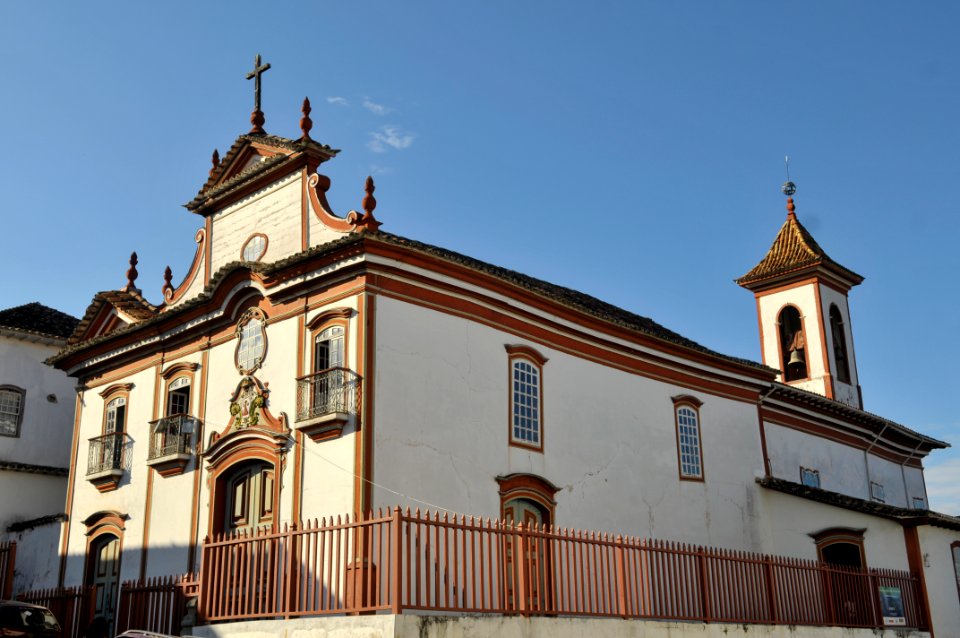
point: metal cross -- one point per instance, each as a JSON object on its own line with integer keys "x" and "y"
{"x": 254, "y": 75}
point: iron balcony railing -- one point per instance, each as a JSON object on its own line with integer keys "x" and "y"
{"x": 107, "y": 452}
{"x": 172, "y": 435}
{"x": 331, "y": 391}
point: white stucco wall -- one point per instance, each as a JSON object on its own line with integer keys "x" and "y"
{"x": 328, "y": 466}
{"x": 943, "y": 582}
{"x": 475, "y": 626}
{"x": 804, "y": 298}
{"x": 842, "y": 468}
{"x": 47, "y": 425}
{"x": 37, "y": 558}
{"x": 609, "y": 436}
{"x": 273, "y": 211}
{"x": 788, "y": 521}
{"x": 25, "y": 496}
{"x": 845, "y": 392}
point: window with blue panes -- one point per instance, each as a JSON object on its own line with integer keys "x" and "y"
{"x": 525, "y": 403}
{"x": 688, "y": 440}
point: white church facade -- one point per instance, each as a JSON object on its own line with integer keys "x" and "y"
{"x": 311, "y": 364}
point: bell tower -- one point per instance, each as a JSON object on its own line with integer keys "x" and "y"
{"x": 804, "y": 312}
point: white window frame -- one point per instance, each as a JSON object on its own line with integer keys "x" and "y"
{"x": 10, "y": 418}
{"x": 689, "y": 439}
{"x": 526, "y": 402}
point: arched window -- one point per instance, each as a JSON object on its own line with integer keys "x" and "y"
{"x": 178, "y": 396}
{"x": 689, "y": 447}
{"x": 328, "y": 349}
{"x": 840, "y": 546}
{"x": 11, "y": 410}
{"x": 839, "y": 344}
{"x": 526, "y": 396}
{"x": 793, "y": 344}
{"x": 115, "y": 418}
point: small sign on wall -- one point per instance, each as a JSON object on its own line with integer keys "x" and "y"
{"x": 891, "y": 602}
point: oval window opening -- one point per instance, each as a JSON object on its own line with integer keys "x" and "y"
{"x": 255, "y": 248}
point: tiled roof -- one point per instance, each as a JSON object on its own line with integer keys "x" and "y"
{"x": 903, "y": 514}
{"x": 129, "y": 302}
{"x": 793, "y": 249}
{"x": 209, "y": 191}
{"x": 572, "y": 298}
{"x": 38, "y": 319}
{"x": 849, "y": 413}
{"x": 13, "y": 466}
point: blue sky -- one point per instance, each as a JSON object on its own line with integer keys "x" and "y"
{"x": 630, "y": 150}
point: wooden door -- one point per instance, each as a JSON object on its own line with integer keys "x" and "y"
{"x": 527, "y": 579}
{"x": 250, "y": 498}
{"x": 105, "y": 576}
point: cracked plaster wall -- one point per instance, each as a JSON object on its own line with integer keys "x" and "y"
{"x": 609, "y": 437}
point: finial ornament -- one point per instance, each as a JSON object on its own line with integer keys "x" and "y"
{"x": 788, "y": 188}
{"x": 132, "y": 273}
{"x": 167, "y": 281}
{"x": 365, "y": 222}
{"x": 791, "y": 209}
{"x": 256, "y": 117}
{"x": 215, "y": 161}
{"x": 369, "y": 202}
{"x": 305, "y": 122}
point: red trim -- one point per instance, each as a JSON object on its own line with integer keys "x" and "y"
{"x": 531, "y": 356}
{"x": 687, "y": 401}
{"x": 177, "y": 368}
{"x": 171, "y": 295}
{"x": 531, "y": 487}
{"x": 522, "y": 350}
{"x": 828, "y": 388}
{"x": 266, "y": 246}
{"x": 317, "y": 187}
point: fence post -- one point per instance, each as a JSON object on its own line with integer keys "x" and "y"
{"x": 520, "y": 560}
{"x": 396, "y": 569}
{"x": 827, "y": 577}
{"x": 7, "y": 592}
{"x": 202, "y": 577}
{"x": 771, "y": 589}
{"x": 289, "y": 539}
{"x": 621, "y": 577}
{"x": 876, "y": 605}
{"x": 704, "y": 588}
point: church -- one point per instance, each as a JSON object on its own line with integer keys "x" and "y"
{"x": 312, "y": 364}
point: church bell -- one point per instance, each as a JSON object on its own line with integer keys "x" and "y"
{"x": 796, "y": 356}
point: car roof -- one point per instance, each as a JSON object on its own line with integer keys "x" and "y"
{"x": 20, "y": 603}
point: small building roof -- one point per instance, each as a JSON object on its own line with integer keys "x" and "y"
{"x": 794, "y": 251}
{"x": 35, "y": 318}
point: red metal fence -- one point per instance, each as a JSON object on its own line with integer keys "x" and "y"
{"x": 8, "y": 560}
{"x": 156, "y": 604}
{"x": 72, "y": 606}
{"x": 403, "y": 560}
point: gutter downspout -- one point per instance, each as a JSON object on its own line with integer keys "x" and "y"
{"x": 866, "y": 459}
{"x": 763, "y": 432}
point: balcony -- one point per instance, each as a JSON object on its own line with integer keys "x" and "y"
{"x": 171, "y": 443}
{"x": 107, "y": 459}
{"x": 326, "y": 401}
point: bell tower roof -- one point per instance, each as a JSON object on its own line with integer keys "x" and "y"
{"x": 795, "y": 254}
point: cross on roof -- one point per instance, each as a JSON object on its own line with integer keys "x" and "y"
{"x": 254, "y": 75}
{"x": 256, "y": 118}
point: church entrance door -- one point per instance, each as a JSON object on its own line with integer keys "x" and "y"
{"x": 249, "y": 498}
